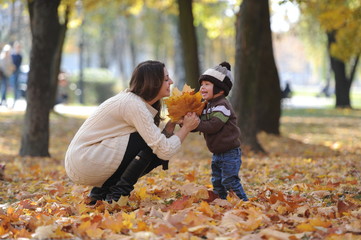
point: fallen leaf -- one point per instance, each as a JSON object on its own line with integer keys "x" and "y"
{"x": 206, "y": 209}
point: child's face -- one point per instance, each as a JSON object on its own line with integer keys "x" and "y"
{"x": 206, "y": 90}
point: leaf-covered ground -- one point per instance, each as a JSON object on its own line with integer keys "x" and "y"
{"x": 307, "y": 187}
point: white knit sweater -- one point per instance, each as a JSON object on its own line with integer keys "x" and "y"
{"x": 98, "y": 147}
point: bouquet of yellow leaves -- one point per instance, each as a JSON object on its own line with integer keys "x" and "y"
{"x": 182, "y": 102}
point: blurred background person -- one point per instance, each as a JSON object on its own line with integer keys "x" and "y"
{"x": 6, "y": 70}
{"x": 62, "y": 93}
{"x": 17, "y": 60}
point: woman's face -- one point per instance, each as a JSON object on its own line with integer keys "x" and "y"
{"x": 165, "y": 89}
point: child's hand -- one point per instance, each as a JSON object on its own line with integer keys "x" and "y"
{"x": 180, "y": 122}
{"x": 191, "y": 121}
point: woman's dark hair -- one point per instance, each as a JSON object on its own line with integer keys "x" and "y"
{"x": 146, "y": 82}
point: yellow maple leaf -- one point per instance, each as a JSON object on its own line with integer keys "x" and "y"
{"x": 206, "y": 209}
{"x": 187, "y": 88}
{"x": 142, "y": 193}
{"x": 254, "y": 220}
{"x": 61, "y": 234}
{"x": 182, "y": 102}
{"x": 320, "y": 223}
{"x": 111, "y": 223}
{"x": 128, "y": 219}
{"x": 305, "y": 227}
{"x": 312, "y": 224}
{"x": 176, "y": 92}
{"x": 82, "y": 208}
{"x": 94, "y": 232}
{"x": 122, "y": 201}
{"x": 84, "y": 226}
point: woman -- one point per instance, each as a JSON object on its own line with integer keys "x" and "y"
{"x": 122, "y": 141}
{"x": 6, "y": 70}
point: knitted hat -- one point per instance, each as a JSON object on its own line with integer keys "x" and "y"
{"x": 220, "y": 76}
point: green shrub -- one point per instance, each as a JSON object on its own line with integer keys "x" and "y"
{"x": 99, "y": 85}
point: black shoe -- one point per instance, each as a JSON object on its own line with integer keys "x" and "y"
{"x": 97, "y": 194}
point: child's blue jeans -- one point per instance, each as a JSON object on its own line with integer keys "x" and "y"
{"x": 225, "y": 169}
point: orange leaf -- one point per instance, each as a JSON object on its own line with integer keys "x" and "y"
{"x": 142, "y": 226}
{"x": 312, "y": 224}
{"x": 254, "y": 220}
{"x": 191, "y": 176}
{"x": 206, "y": 209}
{"x": 22, "y": 233}
{"x": 95, "y": 233}
{"x": 112, "y": 224}
{"x": 84, "y": 226}
{"x": 10, "y": 210}
{"x": 180, "y": 103}
{"x": 320, "y": 223}
{"x": 2, "y": 230}
{"x": 61, "y": 234}
{"x": 305, "y": 227}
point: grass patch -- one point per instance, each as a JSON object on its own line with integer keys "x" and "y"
{"x": 329, "y": 112}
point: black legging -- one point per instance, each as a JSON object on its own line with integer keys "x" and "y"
{"x": 135, "y": 145}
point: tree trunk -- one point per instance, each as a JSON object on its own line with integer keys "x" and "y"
{"x": 342, "y": 85}
{"x": 178, "y": 58}
{"x": 256, "y": 92}
{"x": 102, "y": 48}
{"x": 269, "y": 90}
{"x": 119, "y": 47}
{"x": 132, "y": 40}
{"x": 12, "y": 29}
{"x": 45, "y": 31}
{"x": 58, "y": 56}
{"x": 189, "y": 43}
{"x": 342, "y": 82}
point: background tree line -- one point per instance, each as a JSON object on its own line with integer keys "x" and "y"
{"x": 190, "y": 35}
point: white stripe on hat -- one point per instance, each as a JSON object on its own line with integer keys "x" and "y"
{"x": 214, "y": 73}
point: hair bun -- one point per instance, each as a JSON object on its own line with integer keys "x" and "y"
{"x": 226, "y": 65}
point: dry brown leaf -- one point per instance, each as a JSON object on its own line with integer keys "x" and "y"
{"x": 199, "y": 230}
{"x": 181, "y": 203}
{"x": 345, "y": 206}
{"x": 274, "y": 234}
{"x": 194, "y": 190}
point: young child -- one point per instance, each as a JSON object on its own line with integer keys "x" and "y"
{"x": 219, "y": 127}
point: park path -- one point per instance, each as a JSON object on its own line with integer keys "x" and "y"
{"x": 20, "y": 106}
{"x": 294, "y": 102}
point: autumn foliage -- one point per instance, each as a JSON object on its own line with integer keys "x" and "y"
{"x": 307, "y": 187}
{"x": 182, "y": 102}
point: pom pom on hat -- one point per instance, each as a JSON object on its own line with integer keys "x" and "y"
{"x": 226, "y": 65}
{"x": 220, "y": 76}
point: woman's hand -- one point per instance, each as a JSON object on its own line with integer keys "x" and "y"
{"x": 190, "y": 121}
